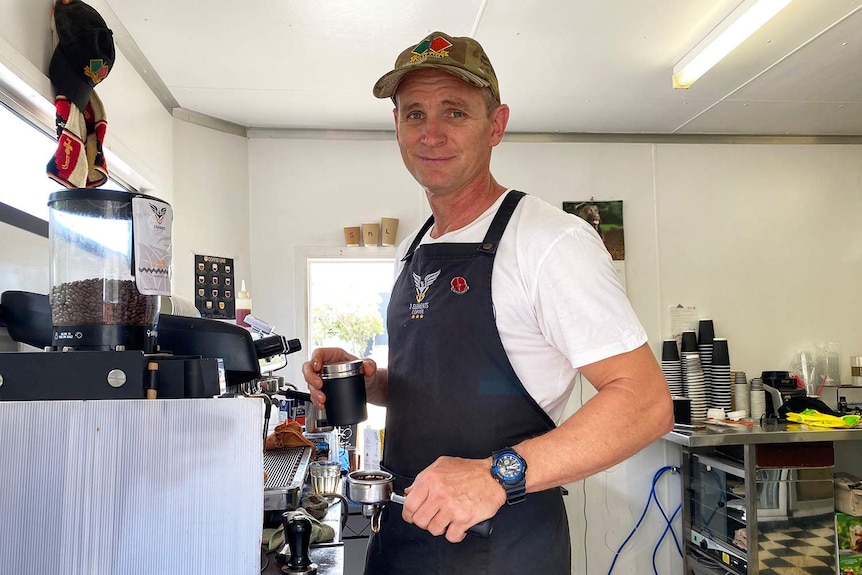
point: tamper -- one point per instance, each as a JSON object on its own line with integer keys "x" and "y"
{"x": 297, "y": 533}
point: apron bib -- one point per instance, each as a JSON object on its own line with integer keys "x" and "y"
{"x": 453, "y": 391}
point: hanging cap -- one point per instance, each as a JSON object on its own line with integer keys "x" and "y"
{"x": 460, "y": 56}
{"x": 85, "y": 51}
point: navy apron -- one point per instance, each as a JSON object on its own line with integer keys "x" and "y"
{"x": 452, "y": 391}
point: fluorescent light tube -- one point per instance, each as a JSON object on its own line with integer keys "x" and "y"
{"x": 730, "y": 33}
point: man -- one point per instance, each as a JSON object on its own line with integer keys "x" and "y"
{"x": 500, "y": 301}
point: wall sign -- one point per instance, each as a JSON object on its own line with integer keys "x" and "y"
{"x": 215, "y": 289}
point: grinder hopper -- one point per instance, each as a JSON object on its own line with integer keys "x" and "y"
{"x": 110, "y": 255}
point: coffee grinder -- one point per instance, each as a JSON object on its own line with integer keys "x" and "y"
{"x": 101, "y": 328}
{"x": 110, "y": 258}
{"x": 110, "y": 261}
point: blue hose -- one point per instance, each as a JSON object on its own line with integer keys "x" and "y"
{"x": 669, "y": 521}
{"x": 667, "y": 528}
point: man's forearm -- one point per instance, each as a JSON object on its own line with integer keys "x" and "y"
{"x": 594, "y": 439}
{"x": 631, "y": 410}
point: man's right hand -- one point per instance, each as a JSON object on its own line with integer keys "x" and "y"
{"x": 323, "y": 355}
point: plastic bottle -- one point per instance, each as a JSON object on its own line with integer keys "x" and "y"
{"x": 243, "y": 305}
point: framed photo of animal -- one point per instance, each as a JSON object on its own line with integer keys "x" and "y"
{"x": 607, "y": 219}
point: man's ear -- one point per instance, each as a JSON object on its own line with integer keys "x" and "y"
{"x": 499, "y": 120}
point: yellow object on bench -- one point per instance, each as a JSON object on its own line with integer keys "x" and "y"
{"x": 814, "y": 418}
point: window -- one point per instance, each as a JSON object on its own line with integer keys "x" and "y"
{"x": 347, "y": 301}
{"x": 26, "y": 152}
{"x": 347, "y": 305}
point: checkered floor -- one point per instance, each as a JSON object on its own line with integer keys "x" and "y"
{"x": 797, "y": 551}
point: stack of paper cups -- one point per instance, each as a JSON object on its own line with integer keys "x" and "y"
{"x": 757, "y": 400}
{"x": 741, "y": 393}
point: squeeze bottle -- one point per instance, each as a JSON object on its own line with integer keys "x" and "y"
{"x": 243, "y": 305}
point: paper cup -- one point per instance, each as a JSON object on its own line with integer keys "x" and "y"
{"x": 371, "y": 234}
{"x": 689, "y": 342}
{"x": 705, "y": 331}
{"x": 720, "y": 352}
{"x": 352, "y": 235}
{"x": 669, "y": 350}
{"x": 388, "y": 231}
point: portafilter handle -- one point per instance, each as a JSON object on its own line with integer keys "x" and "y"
{"x": 297, "y": 533}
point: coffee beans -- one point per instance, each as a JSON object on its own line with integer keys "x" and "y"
{"x": 101, "y": 301}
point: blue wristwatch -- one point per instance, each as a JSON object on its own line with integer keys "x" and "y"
{"x": 510, "y": 469}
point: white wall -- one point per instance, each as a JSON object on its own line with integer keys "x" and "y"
{"x": 210, "y": 202}
{"x": 765, "y": 240}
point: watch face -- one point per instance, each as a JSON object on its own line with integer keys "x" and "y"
{"x": 509, "y": 467}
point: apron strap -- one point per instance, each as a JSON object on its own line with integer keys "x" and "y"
{"x": 418, "y": 238}
{"x": 501, "y": 220}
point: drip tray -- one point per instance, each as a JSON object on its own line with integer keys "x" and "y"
{"x": 285, "y": 471}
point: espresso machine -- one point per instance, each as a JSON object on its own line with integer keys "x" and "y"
{"x": 99, "y": 330}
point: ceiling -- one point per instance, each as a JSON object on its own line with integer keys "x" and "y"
{"x": 581, "y": 66}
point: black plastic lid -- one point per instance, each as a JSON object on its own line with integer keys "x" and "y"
{"x": 97, "y": 194}
{"x": 107, "y": 204}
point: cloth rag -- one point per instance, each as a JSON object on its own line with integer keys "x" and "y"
{"x": 287, "y": 434}
{"x": 315, "y": 505}
{"x": 79, "y": 161}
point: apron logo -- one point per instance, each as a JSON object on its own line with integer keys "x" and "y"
{"x": 422, "y": 285}
{"x": 459, "y": 285}
{"x": 417, "y": 310}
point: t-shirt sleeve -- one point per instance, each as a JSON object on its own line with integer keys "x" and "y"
{"x": 581, "y": 306}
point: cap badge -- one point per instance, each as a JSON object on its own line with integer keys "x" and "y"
{"x": 436, "y": 48}
{"x": 97, "y": 70}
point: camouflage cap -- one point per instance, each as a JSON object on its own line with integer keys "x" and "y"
{"x": 460, "y": 56}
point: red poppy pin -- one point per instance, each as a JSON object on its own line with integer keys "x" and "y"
{"x": 459, "y": 285}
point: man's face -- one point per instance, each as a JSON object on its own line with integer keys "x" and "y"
{"x": 445, "y": 131}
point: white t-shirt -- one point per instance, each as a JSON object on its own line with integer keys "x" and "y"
{"x": 557, "y": 299}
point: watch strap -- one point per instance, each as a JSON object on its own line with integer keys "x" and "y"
{"x": 515, "y": 493}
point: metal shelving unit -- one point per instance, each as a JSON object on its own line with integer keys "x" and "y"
{"x": 781, "y": 483}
